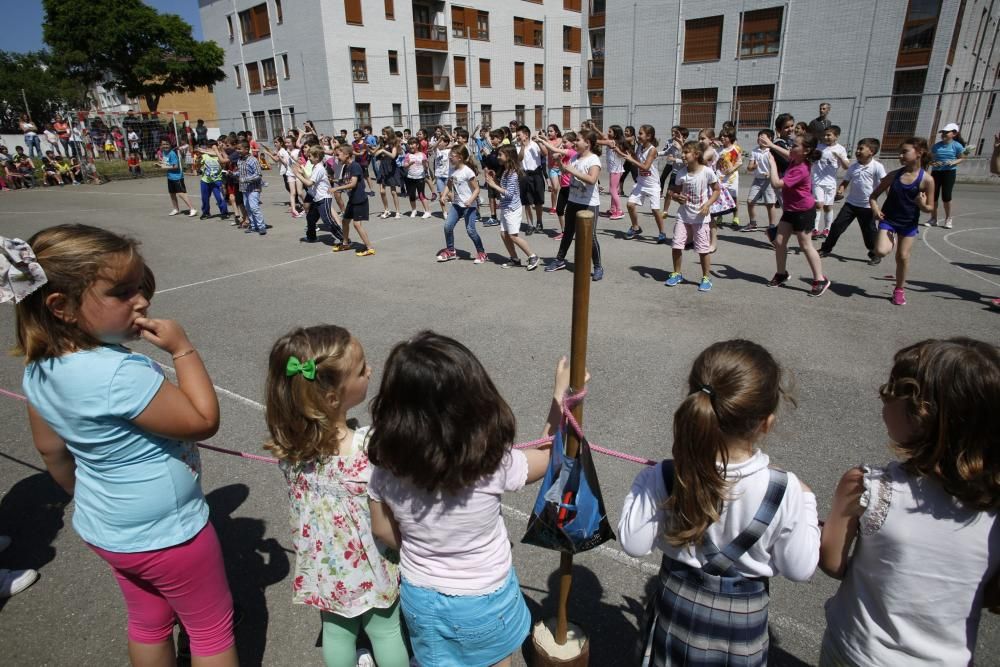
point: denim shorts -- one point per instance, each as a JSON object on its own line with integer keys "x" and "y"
{"x": 465, "y": 630}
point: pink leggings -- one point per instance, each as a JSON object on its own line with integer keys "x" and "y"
{"x": 616, "y": 202}
{"x": 188, "y": 580}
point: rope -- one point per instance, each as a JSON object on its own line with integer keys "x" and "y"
{"x": 569, "y": 403}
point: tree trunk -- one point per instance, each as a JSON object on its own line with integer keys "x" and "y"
{"x": 152, "y": 101}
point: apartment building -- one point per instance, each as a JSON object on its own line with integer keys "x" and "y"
{"x": 890, "y": 68}
{"x": 404, "y": 63}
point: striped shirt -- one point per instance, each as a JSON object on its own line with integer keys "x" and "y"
{"x": 511, "y": 198}
{"x": 249, "y": 171}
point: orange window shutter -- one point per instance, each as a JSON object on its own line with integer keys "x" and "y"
{"x": 574, "y": 40}
{"x": 352, "y": 11}
{"x": 470, "y": 22}
{"x": 519, "y": 75}
{"x": 484, "y": 73}
{"x": 459, "y": 71}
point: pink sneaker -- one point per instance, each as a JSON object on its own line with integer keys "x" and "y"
{"x": 560, "y": 235}
{"x": 481, "y": 258}
{"x": 446, "y": 255}
{"x": 617, "y": 216}
{"x": 898, "y": 297}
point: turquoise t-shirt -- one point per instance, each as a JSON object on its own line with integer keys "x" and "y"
{"x": 174, "y": 172}
{"x": 946, "y": 151}
{"x": 135, "y": 491}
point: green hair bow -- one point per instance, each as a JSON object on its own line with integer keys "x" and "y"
{"x": 295, "y": 367}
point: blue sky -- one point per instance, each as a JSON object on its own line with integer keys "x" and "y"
{"x": 23, "y": 21}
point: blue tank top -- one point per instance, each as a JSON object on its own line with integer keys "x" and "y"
{"x": 901, "y": 204}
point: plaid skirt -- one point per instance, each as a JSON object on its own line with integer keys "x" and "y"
{"x": 702, "y": 619}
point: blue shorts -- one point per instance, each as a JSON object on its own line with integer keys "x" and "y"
{"x": 442, "y": 182}
{"x": 465, "y": 630}
{"x": 900, "y": 230}
{"x": 555, "y": 172}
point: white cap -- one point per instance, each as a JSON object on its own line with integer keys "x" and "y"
{"x": 950, "y": 127}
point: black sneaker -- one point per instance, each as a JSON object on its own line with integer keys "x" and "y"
{"x": 538, "y": 226}
{"x": 874, "y": 261}
{"x": 204, "y": 216}
{"x": 819, "y": 286}
{"x": 778, "y": 279}
{"x": 824, "y": 253}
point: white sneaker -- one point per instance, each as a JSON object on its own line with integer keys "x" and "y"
{"x": 413, "y": 214}
{"x": 192, "y": 213}
{"x": 364, "y": 658}
{"x": 427, "y": 214}
{"x": 948, "y": 223}
{"x": 13, "y": 582}
{"x": 174, "y": 212}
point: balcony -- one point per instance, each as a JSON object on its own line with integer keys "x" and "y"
{"x": 433, "y": 88}
{"x": 430, "y": 37}
{"x": 595, "y": 74}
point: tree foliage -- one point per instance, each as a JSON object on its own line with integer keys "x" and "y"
{"x": 129, "y": 46}
{"x": 48, "y": 92}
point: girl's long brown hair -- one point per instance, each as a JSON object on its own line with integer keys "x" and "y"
{"x": 734, "y": 386}
{"x": 951, "y": 393}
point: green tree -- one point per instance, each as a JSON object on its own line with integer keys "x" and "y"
{"x": 47, "y": 91}
{"x": 129, "y": 46}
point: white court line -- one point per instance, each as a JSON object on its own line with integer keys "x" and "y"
{"x": 923, "y": 237}
{"x": 64, "y": 210}
{"x": 274, "y": 266}
{"x": 971, "y": 252}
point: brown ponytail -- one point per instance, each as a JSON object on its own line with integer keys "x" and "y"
{"x": 734, "y": 386}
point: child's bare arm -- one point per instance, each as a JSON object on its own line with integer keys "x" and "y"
{"x": 384, "y": 525}
{"x": 58, "y": 459}
{"x": 882, "y": 187}
{"x": 841, "y": 527}
{"x": 925, "y": 201}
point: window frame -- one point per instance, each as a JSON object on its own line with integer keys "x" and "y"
{"x": 518, "y": 75}
{"x": 693, "y": 31}
{"x": 463, "y": 80}
{"x": 252, "y": 18}
{"x": 390, "y": 10}
{"x": 359, "y": 74}
{"x": 538, "y": 75}
{"x": 266, "y": 83}
{"x": 489, "y": 74}
{"x": 751, "y": 117}
{"x": 352, "y": 9}
{"x": 567, "y": 79}
{"x": 251, "y": 78}
{"x": 284, "y": 64}
{"x": 393, "y": 63}
{"x": 690, "y": 114}
{"x": 768, "y": 37}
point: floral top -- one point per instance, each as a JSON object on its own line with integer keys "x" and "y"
{"x": 339, "y": 567}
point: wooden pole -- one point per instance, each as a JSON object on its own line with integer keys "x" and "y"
{"x": 577, "y": 379}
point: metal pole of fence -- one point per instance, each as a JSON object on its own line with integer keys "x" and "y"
{"x": 631, "y": 90}
{"x": 354, "y": 101}
{"x": 239, "y": 36}
{"x": 406, "y": 78}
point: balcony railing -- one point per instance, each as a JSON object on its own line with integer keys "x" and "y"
{"x": 430, "y": 36}
{"x": 431, "y": 87}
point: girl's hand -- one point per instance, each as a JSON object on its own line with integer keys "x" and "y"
{"x": 703, "y": 211}
{"x": 562, "y": 379}
{"x": 877, "y": 212}
{"x": 922, "y": 198}
{"x": 681, "y": 198}
{"x": 167, "y": 335}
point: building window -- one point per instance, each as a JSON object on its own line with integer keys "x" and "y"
{"x": 284, "y": 66}
{"x": 484, "y": 73}
{"x": 274, "y": 115}
{"x": 486, "y": 111}
{"x": 567, "y": 79}
{"x": 519, "y": 75}
{"x": 458, "y": 21}
{"x": 567, "y": 117}
{"x": 462, "y": 115}
{"x": 519, "y": 113}
{"x": 291, "y": 116}
{"x": 703, "y": 39}
{"x": 363, "y": 114}
{"x": 253, "y": 77}
{"x": 239, "y": 78}
{"x": 761, "y": 33}
{"x": 352, "y": 12}
{"x": 954, "y": 34}
{"x": 470, "y": 23}
{"x": 393, "y": 62}
{"x": 918, "y": 33}
{"x": 359, "y": 65}
{"x": 229, "y": 24}
{"x": 571, "y": 39}
{"x": 259, "y": 126}
{"x": 482, "y": 26}
{"x": 270, "y": 73}
{"x": 539, "y": 116}
{"x": 904, "y": 108}
{"x": 698, "y": 107}
{"x": 280, "y": 19}
{"x": 990, "y": 105}
{"x": 754, "y": 106}
{"x": 528, "y": 32}
{"x": 397, "y": 115}
{"x": 459, "y": 70}
{"x": 572, "y": 5}
{"x": 539, "y": 76}
{"x": 390, "y": 14}
{"x": 254, "y": 23}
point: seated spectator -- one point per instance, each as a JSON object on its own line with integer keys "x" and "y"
{"x": 134, "y": 167}
{"x": 65, "y": 171}
{"x": 49, "y": 171}
{"x": 89, "y": 173}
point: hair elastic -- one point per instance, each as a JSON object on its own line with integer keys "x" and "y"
{"x": 708, "y": 390}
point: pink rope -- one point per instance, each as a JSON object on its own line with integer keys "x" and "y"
{"x": 567, "y": 418}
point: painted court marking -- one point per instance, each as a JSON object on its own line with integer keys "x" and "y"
{"x": 971, "y": 252}
{"x": 923, "y": 237}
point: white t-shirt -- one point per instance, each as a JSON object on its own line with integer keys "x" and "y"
{"x": 532, "y": 157}
{"x": 321, "y": 182}
{"x": 133, "y": 139}
{"x": 762, "y": 162}
{"x": 651, "y": 176}
{"x": 862, "y": 179}
{"x": 460, "y": 179}
{"x": 824, "y": 170}
{"x": 415, "y": 165}
{"x": 580, "y": 192}
{"x": 442, "y": 168}
{"x": 456, "y": 545}
{"x": 789, "y": 545}
{"x": 284, "y": 160}
{"x": 614, "y": 160}
{"x": 697, "y": 186}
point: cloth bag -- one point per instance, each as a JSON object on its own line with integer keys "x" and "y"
{"x": 569, "y": 514}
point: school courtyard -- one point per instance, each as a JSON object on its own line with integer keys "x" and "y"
{"x": 236, "y": 293}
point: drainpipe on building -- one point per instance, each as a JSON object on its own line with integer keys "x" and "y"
{"x": 858, "y": 112}
{"x": 277, "y": 79}
{"x": 677, "y": 66}
{"x": 734, "y": 112}
{"x": 406, "y": 76}
{"x": 354, "y": 101}
{"x": 631, "y": 90}
{"x": 246, "y": 84}
{"x": 781, "y": 53}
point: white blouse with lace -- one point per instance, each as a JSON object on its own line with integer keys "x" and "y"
{"x": 912, "y": 592}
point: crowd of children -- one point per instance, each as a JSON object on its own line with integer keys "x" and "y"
{"x": 398, "y": 524}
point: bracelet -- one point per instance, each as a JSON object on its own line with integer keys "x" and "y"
{"x": 184, "y": 354}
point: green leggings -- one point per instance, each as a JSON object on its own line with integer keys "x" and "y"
{"x": 383, "y": 629}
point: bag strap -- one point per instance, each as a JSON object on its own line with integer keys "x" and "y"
{"x": 721, "y": 561}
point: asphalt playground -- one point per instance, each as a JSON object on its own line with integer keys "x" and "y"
{"x": 236, "y": 293}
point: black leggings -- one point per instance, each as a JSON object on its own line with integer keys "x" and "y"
{"x": 944, "y": 183}
{"x": 844, "y": 219}
{"x": 569, "y": 230}
{"x": 321, "y": 209}
{"x": 629, "y": 170}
